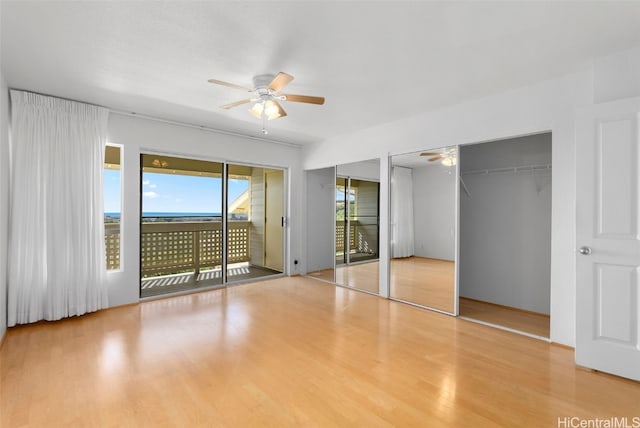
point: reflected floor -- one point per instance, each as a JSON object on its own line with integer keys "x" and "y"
{"x": 325, "y": 274}
{"x": 356, "y": 258}
{"x": 424, "y": 281}
{"x": 363, "y": 276}
{"x": 517, "y": 319}
{"x": 158, "y": 285}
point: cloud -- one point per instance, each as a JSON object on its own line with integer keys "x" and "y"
{"x": 146, "y": 182}
{"x": 152, "y": 186}
{"x": 150, "y": 195}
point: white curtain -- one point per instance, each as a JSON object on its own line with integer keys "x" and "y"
{"x": 401, "y": 212}
{"x": 56, "y": 265}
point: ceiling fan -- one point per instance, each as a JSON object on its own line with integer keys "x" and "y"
{"x": 447, "y": 157}
{"x": 266, "y": 94}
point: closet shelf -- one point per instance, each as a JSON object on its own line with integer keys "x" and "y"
{"x": 515, "y": 169}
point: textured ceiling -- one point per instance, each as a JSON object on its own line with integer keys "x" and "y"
{"x": 373, "y": 61}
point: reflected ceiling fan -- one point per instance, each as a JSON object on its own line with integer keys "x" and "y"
{"x": 447, "y": 157}
{"x": 266, "y": 96}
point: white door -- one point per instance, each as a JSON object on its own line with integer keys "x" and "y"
{"x": 274, "y": 227}
{"x": 608, "y": 238}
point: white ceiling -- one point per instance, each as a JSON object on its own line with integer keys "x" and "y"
{"x": 373, "y": 61}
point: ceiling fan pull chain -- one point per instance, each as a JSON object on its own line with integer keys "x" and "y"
{"x": 264, "y": 121}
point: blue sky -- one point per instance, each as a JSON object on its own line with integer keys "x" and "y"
{"x": 173, "y": 193}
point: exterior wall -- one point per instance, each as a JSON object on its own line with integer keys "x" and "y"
{"x": 257, "y": 216}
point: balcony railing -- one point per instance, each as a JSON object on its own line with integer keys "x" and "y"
{"x": 112, "y": 245}
{"x": 363, "y": 236}
{"x": 174, "y": 247}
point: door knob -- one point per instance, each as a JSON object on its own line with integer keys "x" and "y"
{"x": 585, "y": 251}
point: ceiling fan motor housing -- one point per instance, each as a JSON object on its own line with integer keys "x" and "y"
{"x": 261, "y": 82}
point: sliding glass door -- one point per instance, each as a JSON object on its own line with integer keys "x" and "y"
{"x": 207, "y": 223}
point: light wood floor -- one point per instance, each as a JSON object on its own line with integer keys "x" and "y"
{"x": 292, "y": 352}
{"x": 528, "y": 322}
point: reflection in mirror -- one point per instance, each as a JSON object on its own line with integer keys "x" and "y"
{"x": 357, "y": 201}
{"x": 320, "y": 193}
{"x": 423, "y": 228}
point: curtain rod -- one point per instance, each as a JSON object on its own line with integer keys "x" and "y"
{"x": 169, "y": 121}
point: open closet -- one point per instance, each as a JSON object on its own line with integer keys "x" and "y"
{"x": 505, "y": 233}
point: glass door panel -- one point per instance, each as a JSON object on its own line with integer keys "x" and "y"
{"x": 181, "y": 237}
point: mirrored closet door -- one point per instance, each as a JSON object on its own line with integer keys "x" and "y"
{"x": 357, "y": 217}
{"x": 423, "y": 225}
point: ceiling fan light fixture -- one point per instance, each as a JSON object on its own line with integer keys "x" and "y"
{"x": 449, "y": 161}
{"x": 257, "y": 109}
{"x": 272, "y": 110}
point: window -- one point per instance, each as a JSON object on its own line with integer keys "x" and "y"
{"x": 112, "y": 206}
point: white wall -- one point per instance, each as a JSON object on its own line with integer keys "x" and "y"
{"x": 547, "y": 106}
{"x": 365, "y": 170}
{"x": 143, "y": 135}
{"x": 505, "y": 240}
{"x": 434, "y": 211}
{"x": 4, "y": 200}
{"x": 617, "y": 76}
{"x": 320, "y": 199}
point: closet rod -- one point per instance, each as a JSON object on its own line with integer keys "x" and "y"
{"x": 514, "y": 169}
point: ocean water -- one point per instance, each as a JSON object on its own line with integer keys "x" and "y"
{"x": 167, "y": 214}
